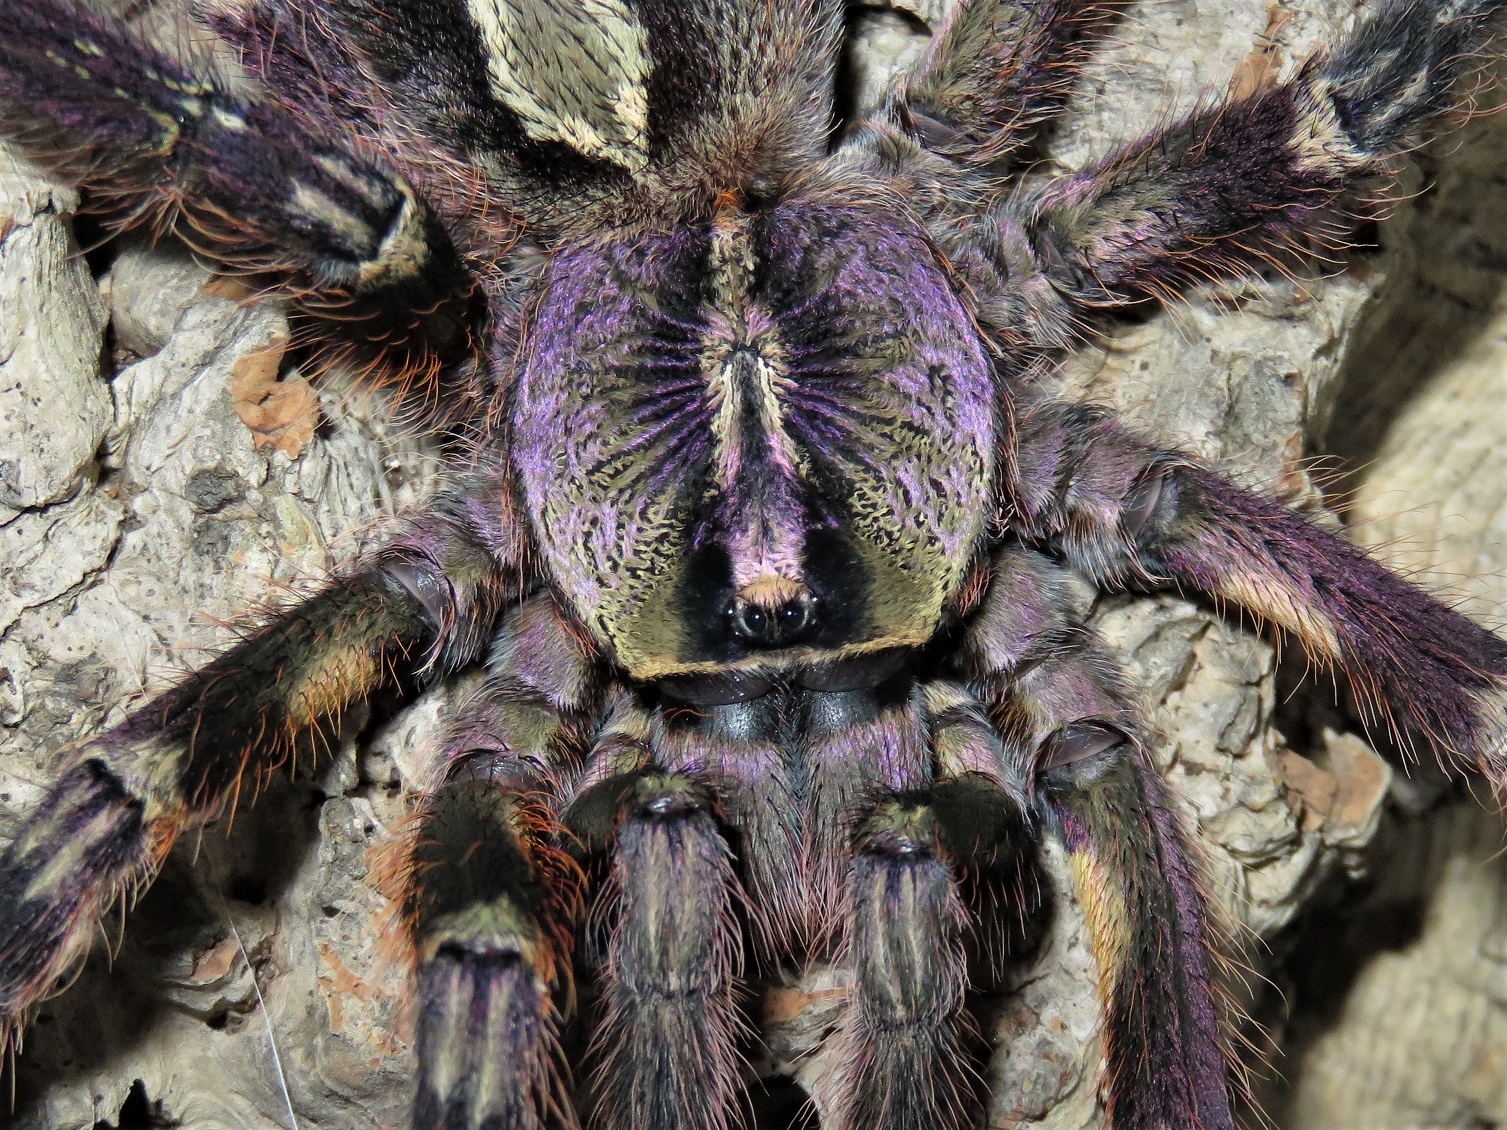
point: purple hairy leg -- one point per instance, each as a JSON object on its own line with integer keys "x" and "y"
{"x": 896, "y": 879}
{"x": 735, "y": 746}
{"x": 245, "y": 183}
{"x": 666, "y": 1046}
{"x": 1232, "y": 185}
{"x": 489, "y": 903}
{"x": 997, "y": 71}
{"x": 903, "y": 1034}
{"x": 1130, "y": 858}
{"x": 427, "y": 602}
{"x": 859, "y": 743}
{"x": 939, "y": 874}
{"x": 986, "y": 828}
{"x": 1053, "y": 690}
{"x": 1128, "y": 513}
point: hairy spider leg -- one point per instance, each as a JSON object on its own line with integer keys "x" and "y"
{"x": 870, "y": 841}
{"x": 889, "y": 906}
{"x": 317, "y": 76}
{"x": 737, "y": 748}
{"x": 493, "y": 906}
{"x": 997, "y": 72}
{"x": 904, "y": 1035}
{"x": 666, "y": 1045}
{"x": 491, "y": 886}
{"x": 667, "y": 922}
{"x": 1234, "y": 184}
{"x": 1052, "y": 689}
{"x": 941, "y": 876}
{"x": 201, "y": 748}
{"x": 1128, "y": 513}
{"x": 243, "y": 182}
{"x": 490, "y": 901}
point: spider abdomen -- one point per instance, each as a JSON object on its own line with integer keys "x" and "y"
{"x": 768, "y": 431}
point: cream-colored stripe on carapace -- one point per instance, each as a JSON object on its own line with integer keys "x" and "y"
{"x": 743, "y": 357}
{"x": 573, "y": 72}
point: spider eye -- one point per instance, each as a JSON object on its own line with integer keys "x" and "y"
{"x": 778, "y": 624}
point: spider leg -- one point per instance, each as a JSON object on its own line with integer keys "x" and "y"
{"x": 242, "y": 181}
{"x": 904, "y": 1033}
{"x": 493, "y": 905}
{"x": 102, "y": 831}
{"x": 1054, "y": 691}
{"x": 1126, "y": 512}
{"x": 997, "y": 71}
{"x": 489, "y": 900}
{"x": 666, "y": 1042}
{"x": 932, "y": 869}
{"x": 318, "y": 77}
{"x": 1225, "y": 189}
{"x": 736, "y": 747}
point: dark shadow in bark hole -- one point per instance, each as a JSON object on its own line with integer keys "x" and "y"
{"x": 1453, "y": 238}
{"x": 138, "y": 1112}
{"x": 1319, "y": 958}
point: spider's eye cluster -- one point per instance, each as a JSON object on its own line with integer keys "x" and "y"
{"x": 773, "y": 625}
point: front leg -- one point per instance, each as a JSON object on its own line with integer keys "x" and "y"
{"x": 201, "y": 748}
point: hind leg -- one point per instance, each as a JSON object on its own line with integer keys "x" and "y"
{"x": 245, "y": 183}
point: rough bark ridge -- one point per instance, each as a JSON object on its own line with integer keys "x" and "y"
{"x": 162, "y": 470}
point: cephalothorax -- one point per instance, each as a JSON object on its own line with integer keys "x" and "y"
{"x": 759, "y": 516}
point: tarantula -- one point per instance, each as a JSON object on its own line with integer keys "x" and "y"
{"x": 759, "y": 516}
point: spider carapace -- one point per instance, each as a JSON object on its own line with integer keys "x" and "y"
{"x": 760, "y": 517}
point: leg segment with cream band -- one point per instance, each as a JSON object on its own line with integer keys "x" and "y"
{"x": 1128, "y": 513}
{"x": 244, "y": 182}
{"x": 490, "y": 900}
{"x": 667, "y": 1046}
{"x": 1052, "y": 690}
{"x": 1223, "y": 190}
{"x": 937, "y": 875}
{"x": 493, "y": 907}
{"x": 208, "y": 744}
